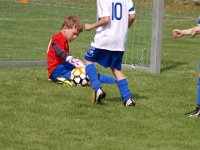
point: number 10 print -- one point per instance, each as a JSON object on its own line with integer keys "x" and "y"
{"x": 116, "y": 11}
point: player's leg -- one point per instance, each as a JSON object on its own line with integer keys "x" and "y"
{"x": 106, "y": 79}
{"x": 197, "y": 110}
{"x": 90, "y": 57}
{"x": 123, "y": 88}
{"x": 198, "y": 98}
{"x": 91, "y": 71}
{"x": 115, "y": 65}
{"x": 198, "y": 92}
{"x": 93, "y": 75}
{"x": 198, "y": 89}
{"x": 61, "y": 74}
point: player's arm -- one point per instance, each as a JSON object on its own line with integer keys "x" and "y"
{"x": 131, "y": 19}
{"x": 179, "y": 33}
{"x": 187, "y": 32}
{"x": 59, "y": 52}
{"x": 195, "y": 31}
{"x": 132, "y": 13}
{"x": 64, "y": 55}
{"x": 103, "y": 21}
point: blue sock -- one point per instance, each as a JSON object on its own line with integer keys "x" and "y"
{"x": 106, "y": 79}
{"x": 198, "y": 93}
{"x": 124, "y": 90}
{"x": 93, "y": 76}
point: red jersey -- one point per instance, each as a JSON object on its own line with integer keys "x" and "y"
{"x": 52, "y": 59}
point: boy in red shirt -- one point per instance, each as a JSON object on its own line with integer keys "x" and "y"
{"x": 59, "y": 61}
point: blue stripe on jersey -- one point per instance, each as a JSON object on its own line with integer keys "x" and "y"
{"x": 132, "y": 9}
{"x": 199, "y": 21}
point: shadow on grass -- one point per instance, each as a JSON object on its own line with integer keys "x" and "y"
{"x": 170, "y": 65}
{"x": 135, "y": 97}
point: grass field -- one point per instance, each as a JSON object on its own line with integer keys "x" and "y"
{"x": 36, "y": 114}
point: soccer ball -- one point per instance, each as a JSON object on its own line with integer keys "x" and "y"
{"x": 79, "y": 77}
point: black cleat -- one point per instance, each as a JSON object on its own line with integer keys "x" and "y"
{"x": 129, "y": 102}
{"x": 98, "y": 96}
{"x": 195, "y": 113}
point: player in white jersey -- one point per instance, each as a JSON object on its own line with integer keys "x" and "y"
{"x": 191, "y": 32}
{"x": 114, "y": 17}
{"x": 112, "y": 36}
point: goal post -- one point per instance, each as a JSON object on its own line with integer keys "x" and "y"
{"x": 156, "y": 39}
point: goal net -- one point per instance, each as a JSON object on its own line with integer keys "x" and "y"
{"x": 27, "y": 26}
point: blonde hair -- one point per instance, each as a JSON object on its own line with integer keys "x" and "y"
{"x": 73, "y": 21}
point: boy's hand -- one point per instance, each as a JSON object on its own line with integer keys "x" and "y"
{"x": 88, "y": 27}
{"x": 177, "y": 33}
{"x": 75, "y": 61}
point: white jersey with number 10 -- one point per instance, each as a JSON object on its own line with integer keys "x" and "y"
{"x": 113, "y": 35}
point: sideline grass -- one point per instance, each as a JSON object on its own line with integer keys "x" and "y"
{"x": 37, "y": 114}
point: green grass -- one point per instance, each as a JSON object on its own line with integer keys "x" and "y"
{"x": 38, "y": 114}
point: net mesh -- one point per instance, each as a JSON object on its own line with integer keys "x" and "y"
{"x": 26, "y": 29}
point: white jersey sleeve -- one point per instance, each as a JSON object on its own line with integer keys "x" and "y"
{"x": 103, "y": 8}
{"x": 113, "y": 35}
{"x": 199, "y": 21}
{"x": 131, "y": 8}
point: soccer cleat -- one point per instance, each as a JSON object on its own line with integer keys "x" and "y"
{"x": 129, "y": 102}
{"x": 63, "y": 81}
{"x": 98, "y": 96}
{"x": 195, "y": 113}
